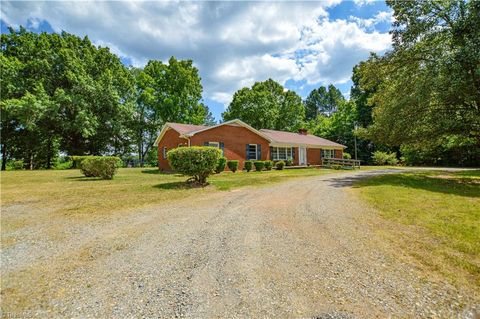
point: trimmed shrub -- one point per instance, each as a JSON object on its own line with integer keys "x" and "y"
{"x": 222, "y": 162}
{"x": 279, "y": 165}
{"x": 232, "y": 165}
{"x": 347, "y": 156}
{"x": 384, "y": 158}
{"x": 289, "y": 162}
{"x": 100, "y": 166}
{"x": 259, "y": 165}
{"x": 268, "y": 165}
{"x": 77, "y": 160}
{"x": 199, "y": 162}
{"x": 248, "y": 166}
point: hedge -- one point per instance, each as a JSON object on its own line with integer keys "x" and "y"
{"x": 222, "y": 161}
{"x": 199, "y": 162}
{"x": 99, "y": 166}
{"x": 233, "y": 165}
{"x": 248, "y": 165}
{"x": 279, "y": 165}
{"x": 259, "y": 165}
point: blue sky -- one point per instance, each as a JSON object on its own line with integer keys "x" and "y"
{"x": 302, "y": 45}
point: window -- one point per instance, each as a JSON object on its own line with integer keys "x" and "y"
{"x": 252, "y": 152}
{"x": 328, "y": 153}
{"x": 281, "y": 153}
{"x": 219, "y": 145}
{"x": 164, "y": 153}
{"x": 214, "y": 144}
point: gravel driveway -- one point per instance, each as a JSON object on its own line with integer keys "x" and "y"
{"x": 302, "y": 248}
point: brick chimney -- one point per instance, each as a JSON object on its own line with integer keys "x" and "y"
{"x": 303, "y": 131}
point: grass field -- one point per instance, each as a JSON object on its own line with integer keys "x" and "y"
{"x": 438, "y": 214}
{"x": 70, "y": 193}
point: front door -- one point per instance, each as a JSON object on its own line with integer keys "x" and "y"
{"x": 302, "y": 156}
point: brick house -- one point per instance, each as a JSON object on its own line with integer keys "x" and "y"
{"x": 239, "y": 141}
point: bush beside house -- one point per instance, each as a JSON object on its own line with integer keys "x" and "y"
{"x": 199, "y": 162}
{"x": 232, "y": 165}
{"x": 222, "y": 162}
{"x": 259, "y": 165}
{"x": 248, "y": 165}
{"x": 279, "y": 165}
{"x": 268, "y": 165}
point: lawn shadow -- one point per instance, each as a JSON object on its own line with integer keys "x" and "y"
{"x": 156, "y": 171}
{"x": 433, "y": 183}
{"x": 351, "y": 180}
{"x": 178, "y": 185}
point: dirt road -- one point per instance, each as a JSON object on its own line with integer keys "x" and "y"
{"x": 302, "y": 248}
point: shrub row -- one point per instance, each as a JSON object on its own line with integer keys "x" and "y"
{"x": 99, "y": 166}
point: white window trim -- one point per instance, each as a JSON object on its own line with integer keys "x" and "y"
{"x": 214, "y": 144}
{"x": 288, "y": 153}
{"x": 164, "y": 152}
{"x": 256, "y": 152}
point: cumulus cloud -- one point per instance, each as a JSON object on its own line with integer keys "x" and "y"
{"x": 233, "y": 44}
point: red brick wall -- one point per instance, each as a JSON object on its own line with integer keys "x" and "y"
{"x": 338, "y": 153}
{"x": 171, "y": 139}
{"x": 234, "y": 139}
{"x": 313, "y": 156}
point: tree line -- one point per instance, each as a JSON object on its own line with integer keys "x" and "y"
{"x": 420, "y": 100}
{"x": 61, "y": 95}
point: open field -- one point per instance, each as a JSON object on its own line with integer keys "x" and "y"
{"x": 435, "y": 218}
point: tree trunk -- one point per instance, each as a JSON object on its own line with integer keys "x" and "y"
{"x": 4, "y": 157}
{"x": 49, "y": 157}
{"x": 31, "y": 162}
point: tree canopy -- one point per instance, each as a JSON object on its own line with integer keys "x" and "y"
{"x": 60, "y": 93}
{"x": 426, "y": 90}
{"x": 267, "y": 105}
{"x": 323, "y": 101}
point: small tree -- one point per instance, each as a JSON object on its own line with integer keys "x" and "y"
{"x": 199, "y": 162}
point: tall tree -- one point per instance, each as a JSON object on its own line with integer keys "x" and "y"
{"x": 267, "y": 105}
{"x": 166, "y": 93}
{"x": 429, "y": 93}
{"x": 323, "y": 101}
{"x": 83, "y": 95}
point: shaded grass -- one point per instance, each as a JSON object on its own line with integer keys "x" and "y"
{"x": 442, "y": 213}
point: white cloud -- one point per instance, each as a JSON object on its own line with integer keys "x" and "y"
{"x": 361, "y": 3}
{"x": 233, "y": 44}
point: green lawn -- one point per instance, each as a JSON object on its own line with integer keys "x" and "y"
{"x": 439, "y": 214}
